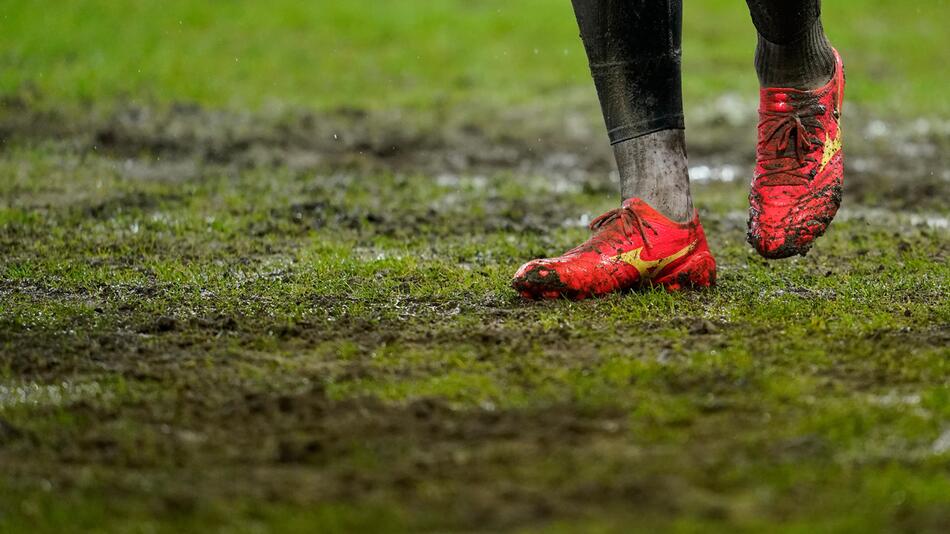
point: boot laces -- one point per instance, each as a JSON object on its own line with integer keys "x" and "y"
{"x": 789, "y": 139}
{"x": 630, "y": 221}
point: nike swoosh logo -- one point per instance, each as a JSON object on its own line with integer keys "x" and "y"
{"x": 650, "y": 268}
{"x": 832, "y": 146}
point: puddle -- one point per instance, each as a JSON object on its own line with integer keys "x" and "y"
{"x": 942, "y": 444}
{"x": 717, "y": 173}
{"x": 35, "y": 394}
{"x": 930, "y": 220}
{"x": 900, "y": 163}
{"x": 895, "y": 399}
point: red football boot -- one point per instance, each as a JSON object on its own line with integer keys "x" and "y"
{"x": 796, "y": 189}
{"x": 632, "y": 246}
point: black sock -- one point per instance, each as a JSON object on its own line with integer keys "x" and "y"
{"x": 806, "y": 63}
{"x": 792, "y": 49}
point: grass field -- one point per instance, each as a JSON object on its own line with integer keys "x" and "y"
{"x": 326, "y": 54}
{"x": 254, "y": 264}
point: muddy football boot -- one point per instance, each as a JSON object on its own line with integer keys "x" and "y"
{"x": 632, "y": 246}
{"x": 796, "y": 188}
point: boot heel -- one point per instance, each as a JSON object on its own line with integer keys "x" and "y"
{"x": 698, "y": 271}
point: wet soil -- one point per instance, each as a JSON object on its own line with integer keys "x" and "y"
{"x": 147, "y": 354}
{"x": 890, "y": 163}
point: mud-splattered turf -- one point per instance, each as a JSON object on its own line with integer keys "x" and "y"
{"x": 213, "y": 320}
{"x": 254, "y": 264}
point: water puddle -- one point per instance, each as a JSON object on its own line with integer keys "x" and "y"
{"x": 14, "y": 394}
{"x": 942, "y": 444}
{"x": 930, "y": 220}
{"x": 717, "y": 173}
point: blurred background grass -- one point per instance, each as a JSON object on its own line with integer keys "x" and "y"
{"x": 327, "y": 54}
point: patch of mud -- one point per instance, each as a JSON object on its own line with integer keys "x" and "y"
{"x": 124, "y": 202}
{"x": 491, "y": 465}
{"x": 432, "y": 143}
{"x": 449, "y": 215}
{"x": 897, "y": 164}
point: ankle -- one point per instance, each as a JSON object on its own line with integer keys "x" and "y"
{"x": 806, "y": 62}
{"x": 653, "y": 168}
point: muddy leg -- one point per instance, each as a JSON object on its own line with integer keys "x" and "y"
{"x": 792, "y": 50}
{"x": 633, "y": 47}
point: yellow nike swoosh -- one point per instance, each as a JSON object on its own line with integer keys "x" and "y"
{"x": 650, "y": 268}
{"x": 832, "y": 146}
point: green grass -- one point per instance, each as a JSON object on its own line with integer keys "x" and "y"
{"x": 438, "y": 53}
{"x": 280, "y": 317}
{"x": 253, "y": 349}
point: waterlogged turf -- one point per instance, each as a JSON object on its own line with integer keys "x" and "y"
{"x": 249, "y": 339}
{"x": 243, "y": 296}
